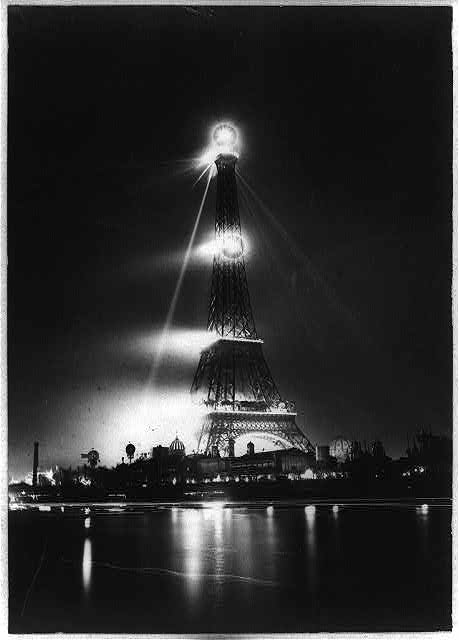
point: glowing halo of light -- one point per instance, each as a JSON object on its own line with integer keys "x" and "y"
{"x": 226, "y": 245}
{"x": 224, "y": 139}
{"x": 182, "y": 344}
{"x": 230, "y": 245}
{"x": 233, "y": 249}
{"x": 225, "y": 134}
{"x": 206, "y": 250}
{"x": 206, "y": 159}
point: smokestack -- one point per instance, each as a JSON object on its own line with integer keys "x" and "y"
{"x": 35, "y": 463}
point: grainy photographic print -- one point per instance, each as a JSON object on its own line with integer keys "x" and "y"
{"x": 230, "y": 341}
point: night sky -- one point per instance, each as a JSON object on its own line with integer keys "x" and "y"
{"x": 345, "y": 120}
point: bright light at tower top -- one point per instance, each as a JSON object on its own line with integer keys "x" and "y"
{"x": 225, "y": 135}
{"x": 224, "y": 141}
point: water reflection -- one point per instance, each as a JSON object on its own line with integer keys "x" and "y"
{"x": 87, "y": 564}
{"x": 214, "y": 511}
{"x": 243, "y": 537}
{"x": 191, "y": 529}
{"x": 87, "y": 523}
{"x": 422, "y": 517}
{"x": 218, "y": 545}
{"x": 310, "y": 513}
{"x": 218, "y": 528}
{"x": 243, "y": 567}
{"x": 270, "y": 536}
{"x": 423, "y": 512}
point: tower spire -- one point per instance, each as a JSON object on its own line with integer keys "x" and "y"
{"x": 230, "y": 312}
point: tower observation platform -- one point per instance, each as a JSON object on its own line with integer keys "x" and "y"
{"x": 233, "y": 377}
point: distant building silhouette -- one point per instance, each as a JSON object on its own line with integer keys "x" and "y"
{"x": 35, "y": 464}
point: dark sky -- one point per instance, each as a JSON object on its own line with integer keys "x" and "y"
{"x": 345, "y": 117}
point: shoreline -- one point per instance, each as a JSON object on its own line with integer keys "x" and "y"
{"x": 224, "y": 503}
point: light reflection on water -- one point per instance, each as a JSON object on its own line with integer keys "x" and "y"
{"x": 218, "y": 543}
{"x": 270, "y": 539}
{"x": 215, "y": 544}
{"x": 192, "y": 536}
{"x": 311, "y": 560}
{"x": 87, "y": 564}
{"x": 310, "y": 512}
{"x": 237, "y": 563}
{"x": 422, "y": 517}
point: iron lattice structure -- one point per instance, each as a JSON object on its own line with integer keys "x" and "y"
{"x": 239, "y": 391}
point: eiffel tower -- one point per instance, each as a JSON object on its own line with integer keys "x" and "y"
{"x": 240, "y": 394}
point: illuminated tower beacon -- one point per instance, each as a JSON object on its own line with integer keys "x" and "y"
{"x": 239, "y": 392}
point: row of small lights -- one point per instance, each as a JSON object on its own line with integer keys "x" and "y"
{"x": 310, "y": 510}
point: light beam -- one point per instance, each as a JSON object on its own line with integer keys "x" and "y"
{"x": 178, "y": 286}
{"x": 311, "y": 270}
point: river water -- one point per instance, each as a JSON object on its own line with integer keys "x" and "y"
{"x": 230, "y": 568}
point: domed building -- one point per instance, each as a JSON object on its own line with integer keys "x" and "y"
{"x": 177, "y": 448}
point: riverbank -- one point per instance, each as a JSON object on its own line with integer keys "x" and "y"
{"x": 304, "y": 490}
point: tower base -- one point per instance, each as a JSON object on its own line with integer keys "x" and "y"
{"x": 221, "y": 429}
